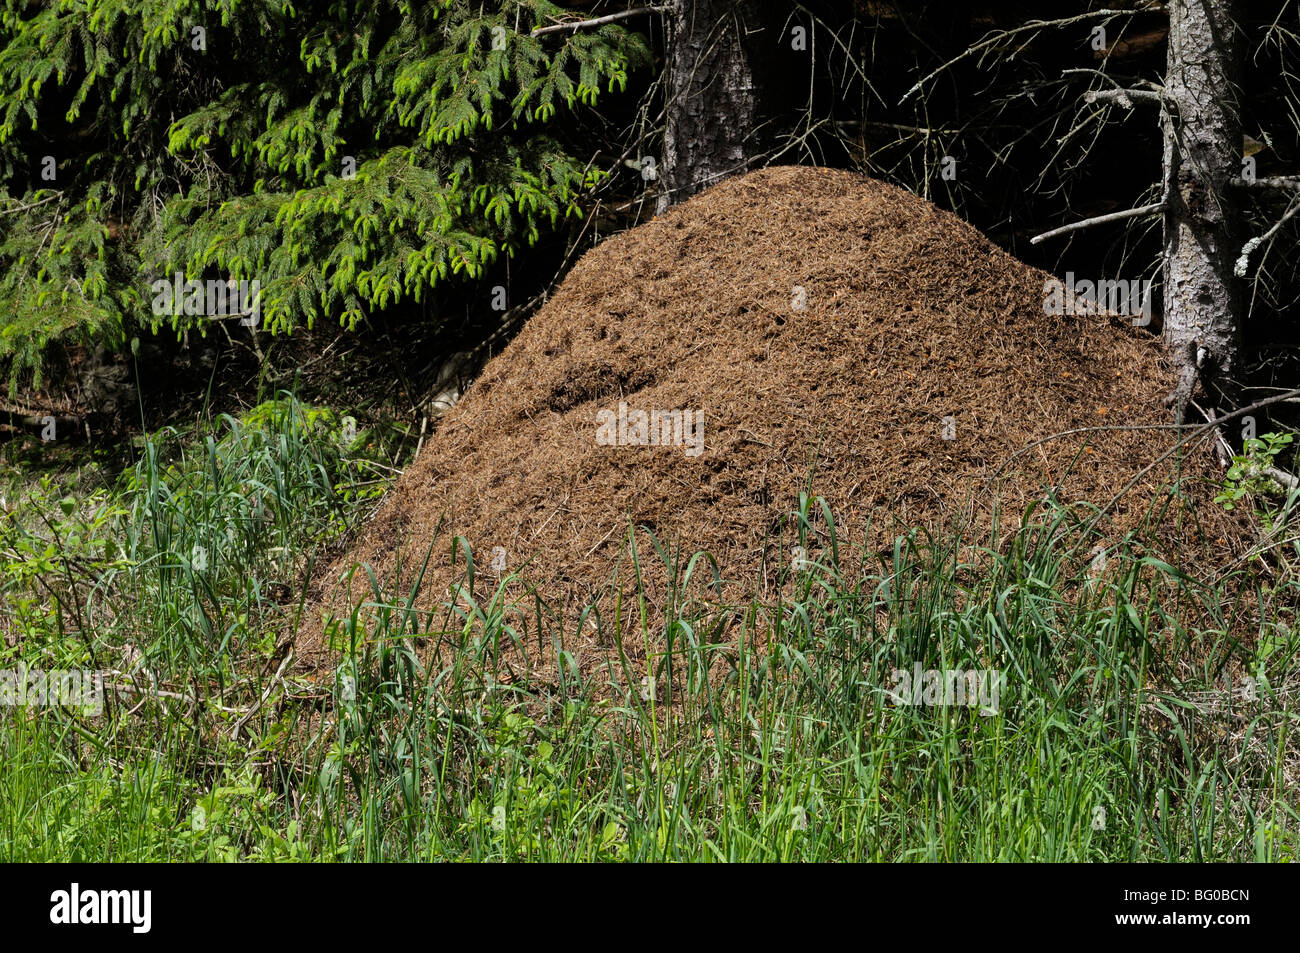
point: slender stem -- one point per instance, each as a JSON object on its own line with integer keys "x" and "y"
{"x": 1286, "y": 182}
{"x": 1099, "y": 220}
{"x": 598, "y": 21}
{"x": 1123, "y": 97}
{"x": 24, "y": 208}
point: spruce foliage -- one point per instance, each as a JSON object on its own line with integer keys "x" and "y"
{"x": 347, "y": 155}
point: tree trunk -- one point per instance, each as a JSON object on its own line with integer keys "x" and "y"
{"x": 716, "y": 52}
{"x": 1202, "y": 153}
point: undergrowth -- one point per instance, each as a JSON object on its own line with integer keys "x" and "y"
{"x": 1108, "y": 729}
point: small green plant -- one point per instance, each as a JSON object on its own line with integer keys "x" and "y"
{"x": 1249, "y": 474}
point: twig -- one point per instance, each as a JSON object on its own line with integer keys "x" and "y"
{"x": 597, "y": 21}
{"x": 1123, "y": 97}
{"x": 1223, "y": 449}
{"x": 24, "y": 208}
{"x": 1286, "y": 182}
{"x": 234, "y": 732}
{"x": 1002, "y": 35}
{"x": 1099, "y": 220}
{"x": 1243, "y": 263}
{"x": 1178, "y": 445}
{"x": 1286, "y": 479}
{"x": 918, "y": 130}
{"x": 1199, "y": 430}
{"x": 1078, "y": 430}
{"x": 150, "y": 692}
{"x": 424, "y": 425}
{"x": 1281, "y": 524}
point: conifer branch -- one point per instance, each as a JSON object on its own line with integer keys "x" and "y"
{"x": 575, "y": 25}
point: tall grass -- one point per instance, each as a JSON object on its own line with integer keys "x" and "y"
{"x": 764, "y": 730}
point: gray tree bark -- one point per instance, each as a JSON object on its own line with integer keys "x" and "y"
{"x": 713, "y": 80}
{"x": 1202, "y": 154}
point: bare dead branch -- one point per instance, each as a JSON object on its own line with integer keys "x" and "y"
{"x": 1284, "y": 182}
{"x": 279, "y": 673}
{"x": 1123, "y": 97}
{"x": 1099, "y": 220}
{"x": 1243, "y": 262}
{"x": 1286, "y": 479}
{"x": 1221, "y": 446}
{"x": 1001, "y": 35}
{"x": 1182, "y": 441}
